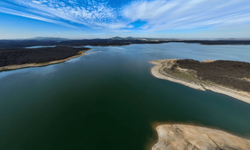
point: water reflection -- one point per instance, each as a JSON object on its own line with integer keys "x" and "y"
{"x": 34, "y": 47}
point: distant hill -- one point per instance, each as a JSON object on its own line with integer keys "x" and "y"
{"x": 48, "y": 39}
{"x": 120, "y": 38}
{"x": 115, "y": 41}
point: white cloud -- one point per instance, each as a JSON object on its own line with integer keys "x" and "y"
{"x": 147, "y": 10}
{"x": 91, "y": 14}
{"x": 27, "y": 15}
{"x": 158, "y": 14}
{"x": 183, "y": 14}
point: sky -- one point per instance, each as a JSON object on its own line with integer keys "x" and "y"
{"x": 78, "y": 19}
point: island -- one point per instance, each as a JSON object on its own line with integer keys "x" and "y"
{"x": 182, "y": 137}
{"x": 231, "y": 78}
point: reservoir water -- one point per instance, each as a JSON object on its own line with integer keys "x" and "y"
{"x": 109, "y": 100}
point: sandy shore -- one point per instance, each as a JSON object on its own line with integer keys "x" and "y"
{"x": 13, "y": 67}
{"x": 158, "y": 72}
{"x": 181, "y": 137}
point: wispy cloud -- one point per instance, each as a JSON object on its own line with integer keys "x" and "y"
{"x": 157, "y": 14}
{"x": 33, "y": 16}
{"x": 183, "y": 14}
{"x": 88, "y": 13}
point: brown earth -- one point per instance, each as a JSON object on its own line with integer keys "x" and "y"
{"x": 187, "y": 137}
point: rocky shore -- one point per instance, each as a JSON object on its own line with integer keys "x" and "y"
{"x": 185, "y": 137}
{"x": 225, "y": 77}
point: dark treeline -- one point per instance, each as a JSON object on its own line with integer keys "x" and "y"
{"x": 10, "y": 44}
{"x": 228, "y": 73}
{"x": 217, "y": 42}
{"x": 39, "y": 55}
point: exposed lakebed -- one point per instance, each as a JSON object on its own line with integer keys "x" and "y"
{"x": 109, "y": 100}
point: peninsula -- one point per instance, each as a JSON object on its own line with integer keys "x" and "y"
{"x": 11, "y": 59}
{"x": 231, "y": 78}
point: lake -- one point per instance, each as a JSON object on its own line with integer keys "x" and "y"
{"x": 109, "y": 100}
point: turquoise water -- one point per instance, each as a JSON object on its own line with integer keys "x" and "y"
{"x": 109, "y": 100}
{"x": 34, "y": 47}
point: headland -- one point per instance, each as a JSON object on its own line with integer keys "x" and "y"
{"x": 231, "y": 78}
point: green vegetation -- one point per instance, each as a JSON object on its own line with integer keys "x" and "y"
{"x": 188, "y": 75}
{"x": 231, "y": 74}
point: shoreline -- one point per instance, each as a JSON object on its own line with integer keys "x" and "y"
{"x": 181, "y": 136}
{"x": 29, "y": 65}
{"x": 157, "y": 71}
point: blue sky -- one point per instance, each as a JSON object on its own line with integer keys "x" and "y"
{"x": 140, "y": 18}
